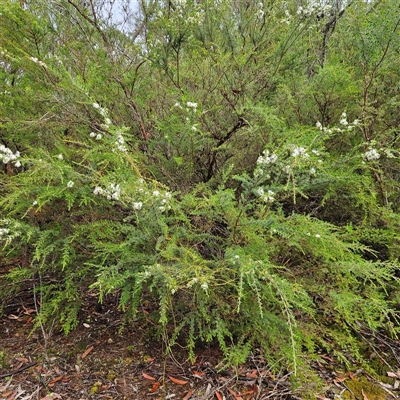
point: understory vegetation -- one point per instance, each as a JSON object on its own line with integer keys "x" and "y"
{"x": 232, "y": 164}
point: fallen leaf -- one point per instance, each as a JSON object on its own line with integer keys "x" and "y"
{"x": 156, "y": 385}
{"x": 235, "y": 395}
{"x": 54, "y": 381}
{"x": 87, "y": 351}
{"x": 338, "y": 380}
{"x": 393, "y": 375}
{"x": 188, "y": 395}
{"x": 149, "y": 359}
{"x": 177, "y": 381}
{"x": 51, "y": 396}
{"x": 364, "y": 395}
{"x": 326, "y": 357}
{"x": 149, "y": 377}
{"x": 219, "y": 397}
{"x": 198, "y": 373}
{"x": 252, "y": 375}
{"x": 22, "y": 359}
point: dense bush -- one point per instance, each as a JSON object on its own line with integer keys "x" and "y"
{"x": 235, "y": 163}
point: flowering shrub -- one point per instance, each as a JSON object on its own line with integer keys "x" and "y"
{"x": 205, "y": 163}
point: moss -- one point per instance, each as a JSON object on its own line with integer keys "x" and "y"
{"x": 359, "y": 390}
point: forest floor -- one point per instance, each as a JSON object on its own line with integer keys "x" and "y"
{"x": 99, "y": 361}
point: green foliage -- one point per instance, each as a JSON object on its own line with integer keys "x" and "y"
{"x": 203, "y": 165}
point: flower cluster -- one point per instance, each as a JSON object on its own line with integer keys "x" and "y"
{"x": 36, "y": 61}
{"x": 162, "y": 200}
{"x": 9, "y": 230}
{"x": 113, "y": 191}
{"x": 313, "y": 7}
{"x": 6, "y": 155}
{"x": 266, "y": 158}
{"x": 268, "y": 197}
{"x": 120, "y": 143}
{"x": 97, "y": 136}
{"x": 372, "y": 155}
{"x": 191, "y": 105}
{"x": 345, "y": 125}
{"x": 298, "y": 151}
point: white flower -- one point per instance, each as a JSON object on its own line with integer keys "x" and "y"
{"x": 137, "y": 205}
{"x": 121, "y": 139}
{"x": 92, "y": 134}
{"x": 312, "y": 171}
{"x": 96, "y": 105}
{"x": 168, "y": 195}
{"x": 98, "y": 190}
{"x": 204, "y": 286}
{"x": 107, "y": 121}
{"x": 356, "y": 122}
{"x": 260, "y": 191}
{"x": 173, "y": 291}
{"x": 99, "y": 136}
{"x": 372, "y": 154}
{"x": 70, "y": 184}
{"x": 156, "y": 193}
{"x": 317, "y": 235}
{"x": 60, "y": 157}
{"x": 191, "y": 105}
{"x": 34, "y": 203}
{"x": 237, "y": 257}
{"x": 299, "y": 151}
{"x": 18, "y": 164}
{"x": 177, "y": 105}
{"x": 162, "y": 208}
{"x": 267, "y": 158}
{"x": 318, "y": 125}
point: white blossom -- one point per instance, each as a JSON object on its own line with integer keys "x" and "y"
{"x": 99, "y": 136}
{"x": 191, "y": 105}
{"x": 98, "y": 190}
{"x": 267, "y": 158}
{"x": 60, "y": 157}
{"x": 372, "y": 155}
{"x": 92, "y": 134}
{"x": 96, "y": 105}
{"x": 299, "y": 151}
{"x": 70, "y": 184}
{"x": 260, "y": 191}
{"x": 137, "y": 205}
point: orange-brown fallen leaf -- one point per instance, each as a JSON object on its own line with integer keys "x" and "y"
{"x": 149, "y": 377}
{"x": 177, "y": 381}
{"x": 364, "y": 395}
{"x": 87, "y": 351}
{"x": 342, "y": 379}
{"x": 252, "y": 374}
{"x": 235, "y": 395}
{"x": 219, "y": 397}
{"x": 188, "y": 395}
{"x": 156, "y": 385}
{"x": 54, "y": 381}
{"x": 198, "y": 373}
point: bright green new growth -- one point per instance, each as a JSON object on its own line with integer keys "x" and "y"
{"x": 220, "y": 162}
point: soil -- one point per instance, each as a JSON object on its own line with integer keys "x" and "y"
{"x": 99, "y": 360}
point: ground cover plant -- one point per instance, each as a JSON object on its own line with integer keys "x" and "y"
{"x": 235, "y": 164}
